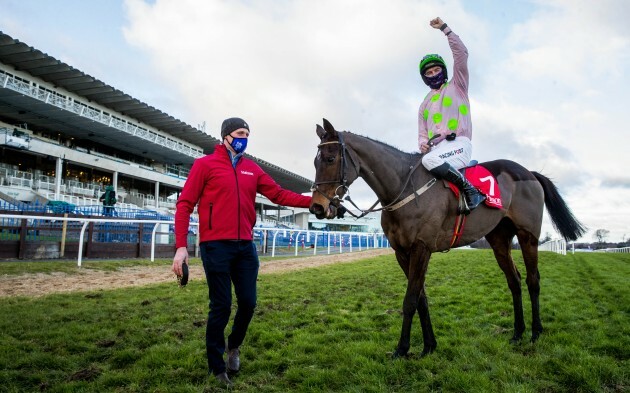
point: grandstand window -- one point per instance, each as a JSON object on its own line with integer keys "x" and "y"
{"x": 177, "y": 170}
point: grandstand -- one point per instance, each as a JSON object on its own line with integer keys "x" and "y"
{"x": 65, "y": 135}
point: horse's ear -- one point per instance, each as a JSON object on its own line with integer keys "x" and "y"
{"x": 320, "y": 132}
{"x": 329, "y": 127}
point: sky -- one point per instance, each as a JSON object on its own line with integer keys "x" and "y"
{"x": 547, "y": 83}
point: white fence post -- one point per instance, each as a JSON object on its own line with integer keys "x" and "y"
{"x": 331, "y": 235}
{"x": 559, "y": 246}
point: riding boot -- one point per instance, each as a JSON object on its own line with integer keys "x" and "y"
{"x": 472, "y": 196}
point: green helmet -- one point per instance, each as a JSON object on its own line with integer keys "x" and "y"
{"x": 429, "y": 61}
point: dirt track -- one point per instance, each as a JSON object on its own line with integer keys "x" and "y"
{"x": 41, "y": 284}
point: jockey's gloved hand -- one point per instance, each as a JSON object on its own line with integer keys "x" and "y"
{"x": 341, "y": 210}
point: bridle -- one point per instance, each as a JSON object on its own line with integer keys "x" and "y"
{"x": 342, "y": 179}
{"x": 345, "y": 188}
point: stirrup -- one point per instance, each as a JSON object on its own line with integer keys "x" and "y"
{"x": 462, "y": 207}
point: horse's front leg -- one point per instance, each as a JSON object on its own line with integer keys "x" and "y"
{"x": 427, "y": 328}
{"x": 409, "y": 309}
{"x": 416, "y": 300}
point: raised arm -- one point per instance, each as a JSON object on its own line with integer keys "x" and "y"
{"x": 460, "y": 54}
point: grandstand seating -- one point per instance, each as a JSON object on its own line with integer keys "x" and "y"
{"x": 82, "y": 198}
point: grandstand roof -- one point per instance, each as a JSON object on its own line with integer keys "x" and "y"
{"x": 25, "y": 58}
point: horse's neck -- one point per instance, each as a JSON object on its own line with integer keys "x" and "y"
{"x": 385, "y": 169}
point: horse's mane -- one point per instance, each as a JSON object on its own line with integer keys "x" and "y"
{"x": 412, "y": 156}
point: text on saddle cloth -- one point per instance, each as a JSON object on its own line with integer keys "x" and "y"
{"x": 483, "y": 180}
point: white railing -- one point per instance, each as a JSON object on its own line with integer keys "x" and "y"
{"x": 558, "y": 246}
{"x": 44, "y": 185}
{"x": 75, "y": 200}
{"x": 168, "y": 205}
{"x": 622, "y": 249}
{"x": 300, "y": 238}
{"x": 79, "y": 200}
{"x": 18, "y": 181}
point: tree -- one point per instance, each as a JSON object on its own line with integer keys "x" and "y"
{"x": 601, "y": 235}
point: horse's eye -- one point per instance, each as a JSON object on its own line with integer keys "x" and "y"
{"x": 330, "y": 159}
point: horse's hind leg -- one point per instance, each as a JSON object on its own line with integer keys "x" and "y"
{"x": 500, "y": 240}
{"x": 529, "y": 247}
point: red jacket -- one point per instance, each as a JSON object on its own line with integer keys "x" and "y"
{"x": 226, "y": 197}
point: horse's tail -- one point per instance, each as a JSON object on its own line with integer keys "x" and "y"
{"x": 561, "y": 216}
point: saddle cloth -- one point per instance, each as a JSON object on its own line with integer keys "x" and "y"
{"x": 483, "y": 180}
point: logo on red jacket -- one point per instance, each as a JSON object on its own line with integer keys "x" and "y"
{"x": 247, "y": 173}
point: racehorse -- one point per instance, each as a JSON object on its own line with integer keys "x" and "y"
{"x": 421, "y": 221}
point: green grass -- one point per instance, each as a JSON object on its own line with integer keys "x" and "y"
{"x": 333, "y": 329}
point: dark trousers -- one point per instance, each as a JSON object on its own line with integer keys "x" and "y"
{"x": 226, "y": 262}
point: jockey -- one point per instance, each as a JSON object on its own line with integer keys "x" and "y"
{"x": 444, "y": 125}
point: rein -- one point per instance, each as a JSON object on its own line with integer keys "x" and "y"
{"x": 343, "y": 181}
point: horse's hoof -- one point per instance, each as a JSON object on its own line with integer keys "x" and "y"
{"x": 515, "y": 340}
{"x": 399, "y": 355}
{"x": 427, "y": 351}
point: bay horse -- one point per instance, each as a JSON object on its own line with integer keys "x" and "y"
{"x": 426, "y": 224}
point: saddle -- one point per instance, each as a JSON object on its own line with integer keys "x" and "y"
{"x": 483, "y": 181}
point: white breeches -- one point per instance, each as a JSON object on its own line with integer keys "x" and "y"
{"x": 457, "y": 153}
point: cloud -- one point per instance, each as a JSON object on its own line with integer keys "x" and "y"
{"x": 284, "y": 65}
{"x": 565, "y": 40}
{"x": 549, "y": 92}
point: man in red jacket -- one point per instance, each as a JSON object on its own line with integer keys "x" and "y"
{"x": 223, "y": 186}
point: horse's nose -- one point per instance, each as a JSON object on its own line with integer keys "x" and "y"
{"x": 318, "y": 210}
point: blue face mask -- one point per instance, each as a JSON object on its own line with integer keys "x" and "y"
{"x": 239, "y": 145}
{"x": 435, "y": 81}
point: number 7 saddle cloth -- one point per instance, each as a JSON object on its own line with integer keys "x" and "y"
{"x": 483, "y": 180}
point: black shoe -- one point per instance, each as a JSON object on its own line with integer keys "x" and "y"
{"x": 233, "y": 360}
{"x": 473, "y": 197}
{"x": 223, "y": 379}
{"x": 471, "y": 194}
